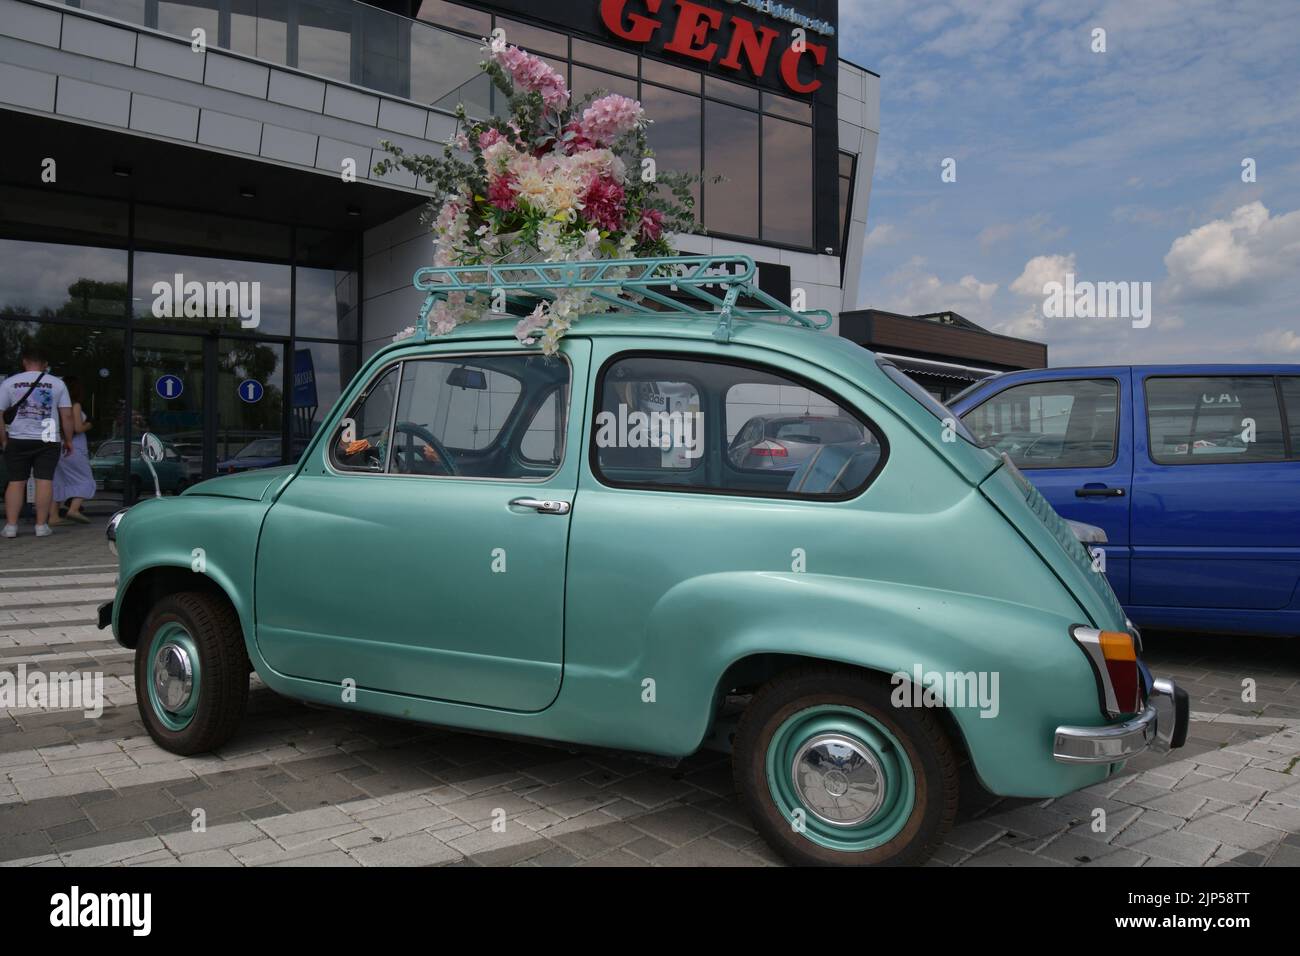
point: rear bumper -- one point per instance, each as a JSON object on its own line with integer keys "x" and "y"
{"x": 1162, "y": 726}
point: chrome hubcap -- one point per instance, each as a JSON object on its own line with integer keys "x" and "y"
{"x": 838, "y": 779}
{"x": 173, "y": 676}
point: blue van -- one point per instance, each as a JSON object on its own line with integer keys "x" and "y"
{"x": 1193, "y": 472}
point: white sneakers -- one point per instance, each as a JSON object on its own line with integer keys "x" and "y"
{"x": 11, "y": 531}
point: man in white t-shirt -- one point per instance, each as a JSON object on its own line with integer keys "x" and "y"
{"x": 41, "y": 413}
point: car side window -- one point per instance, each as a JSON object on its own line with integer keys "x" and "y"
{"x": 698, "y": 425}
{"x": 1067, "y": 423}
{"x": 543, "y": 439}
{"x": 1214, "y": 419}
{"x": 464, "y": 416}
{"x": 363, "y": 439}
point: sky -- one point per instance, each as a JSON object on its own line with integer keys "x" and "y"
{"x": 1116, "y": 166}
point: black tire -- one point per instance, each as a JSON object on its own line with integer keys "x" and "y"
{"x": 927, "y": 748}
{"x": 214, "y": 628}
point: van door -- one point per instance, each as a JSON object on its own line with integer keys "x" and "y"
{"x": 1216, "y": 493}
{"x": 422, "y": 548}
{"x": 1069, "y": 433}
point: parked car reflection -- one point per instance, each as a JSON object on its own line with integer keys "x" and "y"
{"x": 106, "y": 465}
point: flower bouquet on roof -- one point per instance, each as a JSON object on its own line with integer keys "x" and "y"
{"x": 553, "y": 181}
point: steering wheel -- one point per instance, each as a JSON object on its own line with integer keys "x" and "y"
{"x": 430, "y": 460}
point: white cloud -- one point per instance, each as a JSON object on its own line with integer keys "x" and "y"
{"x": 1039, "y": 271}
{"x": 1236, "y": 257}
{"x": 882, "y": 235}
{"x": 1279, "y": 340}
{"x": 912, "y": 290}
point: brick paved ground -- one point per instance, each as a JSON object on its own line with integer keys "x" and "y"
{"x": 302, "y": 785}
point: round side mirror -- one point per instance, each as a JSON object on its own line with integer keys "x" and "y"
{"x": 151, "y": 447}
{"x": 151, "y": 450}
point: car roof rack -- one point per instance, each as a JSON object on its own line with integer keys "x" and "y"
{"x": 693, "y": 286}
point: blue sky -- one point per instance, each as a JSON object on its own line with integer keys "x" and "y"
{"x": 1122, "y": 166}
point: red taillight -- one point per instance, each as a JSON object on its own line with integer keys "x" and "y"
{"x": 1114, "y": 657}
{"x": 769, "y": 449}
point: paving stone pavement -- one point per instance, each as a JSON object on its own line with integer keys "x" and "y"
{"x": 306, "y": 786}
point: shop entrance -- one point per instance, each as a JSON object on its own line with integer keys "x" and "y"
{"x": 216, "y": 403}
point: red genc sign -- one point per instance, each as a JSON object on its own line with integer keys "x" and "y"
{"x": 692, "y": 36}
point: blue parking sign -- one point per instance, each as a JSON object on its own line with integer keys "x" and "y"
{"x": 250, "y": 391}
{"x": 169, "y": 386}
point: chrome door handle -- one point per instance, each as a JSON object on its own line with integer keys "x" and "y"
{"x": 542, "y": 506}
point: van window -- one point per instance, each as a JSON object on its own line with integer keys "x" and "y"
{"x": 698, "y": 425}
{"x": 1213, "y": 419}
{"x": 1070, "y": 423}
{"x": 1291, "y": 399}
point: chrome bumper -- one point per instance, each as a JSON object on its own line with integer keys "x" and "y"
{"x": 1162, "y": 726}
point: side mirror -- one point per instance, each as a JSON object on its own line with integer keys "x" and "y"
{"x": 151, "y": 450}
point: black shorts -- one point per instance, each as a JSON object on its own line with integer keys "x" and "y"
{"x": 25, "y": 456}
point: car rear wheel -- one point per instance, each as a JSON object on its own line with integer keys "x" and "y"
{"x": 832, "y": 774}
{"x": 191, "y": 673}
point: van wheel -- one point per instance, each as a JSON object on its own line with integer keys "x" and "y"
{"x": 191, "y": 673}
{"x": 833, "y": 774}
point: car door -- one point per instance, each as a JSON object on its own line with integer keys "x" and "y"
{"x": 422, "y": 548}
{"x": 1069, "y": 433}
{"x": 1216, "y": 493}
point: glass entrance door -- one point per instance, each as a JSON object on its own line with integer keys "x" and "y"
{"x": 167, "y": 398}
{"x": 250, "y": 406}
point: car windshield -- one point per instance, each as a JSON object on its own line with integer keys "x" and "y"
{"x": 262, "y": 448}
{"x": 929, "y": 402}
{"x": 113, "y": 449}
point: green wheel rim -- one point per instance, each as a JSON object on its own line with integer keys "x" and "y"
{"x": 168, "y": 639}
{"x": 806, "y": 786}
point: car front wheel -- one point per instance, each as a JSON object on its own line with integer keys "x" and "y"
{"x": 191, "y": 673}
{"x": 833, "y": 774}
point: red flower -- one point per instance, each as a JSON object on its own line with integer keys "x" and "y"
{"x": 578, "y": 142}
{"x": 501, "y": 193}
{"x": 603, "y": 203}
{"x": 652, "y": 225}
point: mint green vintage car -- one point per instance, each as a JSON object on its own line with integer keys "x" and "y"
{"x": 580, "y": 548}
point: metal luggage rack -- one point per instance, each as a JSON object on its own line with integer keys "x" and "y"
{"x": 634, "y": 286}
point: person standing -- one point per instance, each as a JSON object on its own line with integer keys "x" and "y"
{"x": 37, "y": 418}
{"x": 73, "y": 480}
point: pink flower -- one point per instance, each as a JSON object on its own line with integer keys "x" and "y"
{"x": 603, "y": 203}
{"x": 577, "y": 140}
{"x": 489, "y": 137}
{"x": 533, "y": 74}
{"x": 652, "y": 225}
{"x": 610, "y": 117}
{"x": 502, "y": 193}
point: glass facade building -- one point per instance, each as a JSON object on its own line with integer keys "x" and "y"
{"x": 199, "y": 145}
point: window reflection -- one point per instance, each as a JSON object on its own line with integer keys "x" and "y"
{"x": 787, "y": 182}
{"x": 181, "y": 18}
{"x": 325, "y": 40}
{"x": 675, "y": 133}
{"x": 587, "y": 81}
{"x": 260, "y": 292}
{"x": 51, "y": 280}
{"x": 445, "y": 71}
{"x": 731, "y": 143}
{"x": 260, "y": 28}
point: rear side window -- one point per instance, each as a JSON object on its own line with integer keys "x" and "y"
{"x": 1291, "y": 401}
{"x": 1058, "y": 424}
{"x": 1214, "y": 419}
{"x": 722, "y": 427}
